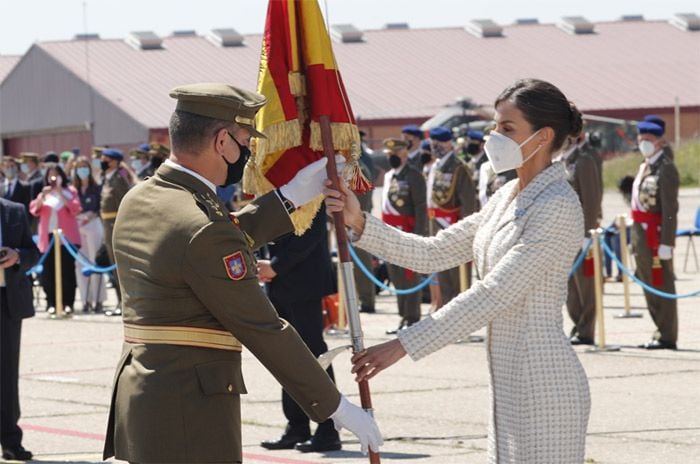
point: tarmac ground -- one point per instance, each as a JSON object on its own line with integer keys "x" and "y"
{"x": 645, "y": 406}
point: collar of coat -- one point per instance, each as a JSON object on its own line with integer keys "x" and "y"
{"x": 182, "y": 178}
{"x": 523, "y": 200}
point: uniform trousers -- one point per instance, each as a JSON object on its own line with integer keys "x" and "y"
{"x": 92, "y": 289}
{"x": 365, "y": 287}
{"x": 580, "y": 303}
{"x": 48, "y": 278}
{"x": 108, "y": 229}
{"x": 307, "y": 318}
{"x": 409, "y": 305}
{"x": 10, "y": 334}
{"x": 664, "y": 311}
{"x": 449, "y": 284}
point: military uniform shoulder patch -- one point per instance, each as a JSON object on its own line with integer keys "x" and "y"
{"x": 235, "y": 265}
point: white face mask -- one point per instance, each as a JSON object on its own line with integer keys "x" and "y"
{"x": 137, "y": 164}
{"x": 647, "y": 148}
{"x": 504, "y": 153}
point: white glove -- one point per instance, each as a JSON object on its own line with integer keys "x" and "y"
{"x": 665, "y": 252}
{"x": 359, "y": 422}
{"x": 307, "y": 184}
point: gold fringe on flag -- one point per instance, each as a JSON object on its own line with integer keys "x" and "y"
{"x": 304, "y": 216}
{"x": 297, "y": 84}
{"x": 346, "y": 137}
{"x": 282, "y": 135}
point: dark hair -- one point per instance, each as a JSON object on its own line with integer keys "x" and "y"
{"x": 190, "y": 132}
{"x": 544, "y": 105}
{"x": 76, "y": 178}
{"x": 56, "y": 167}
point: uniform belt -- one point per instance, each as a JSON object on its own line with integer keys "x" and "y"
{"x": 451, "y": 214}
{"x": 183, "y": 336}
{"x": 401, "y": 222}
{"x": 108, "y": 216}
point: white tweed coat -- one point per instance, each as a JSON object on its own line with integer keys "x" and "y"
{"x": 523, "y": 245}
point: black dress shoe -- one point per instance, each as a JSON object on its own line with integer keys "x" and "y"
{"x": 286, "y": 441}
{"x": 319, "y": 445}
{"x": 659, "y": 345}
{"x": 576, "y": 340}
{"x": 367, "y": 309}
{"x": 16, "y": 454}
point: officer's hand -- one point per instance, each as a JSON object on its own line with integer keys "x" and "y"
{"x": 665, "y": 252}
{"x": 345, "y": 201}
{"x": 8, "y": 257}
{"x": 265, "y": 271}
{"x": 307, "y": 184}
{"x": 359, "y": 422}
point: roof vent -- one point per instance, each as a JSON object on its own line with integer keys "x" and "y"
{"x": 226, "y": 37}
{"x": 526, "y": 21}
{"x": 632, "y": 18}
{"x": 185, "y": 33}
{"x": 396, "y": 26}
{"x": 576, "y": 25}
{"x": 484, "y": 28}
{"x": 686, "y": 21}
{"x": 144, "y": 40}
{"x": 87, "y": 36}
{"x": 346, "y": 33}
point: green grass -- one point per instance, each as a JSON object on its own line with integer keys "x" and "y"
{"x": 687, "y": 159}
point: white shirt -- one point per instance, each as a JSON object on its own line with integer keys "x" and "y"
{"x": 197, "y": 176}
{"x": 636, "y": 204}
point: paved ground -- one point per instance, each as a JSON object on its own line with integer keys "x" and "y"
{"x": 645, "y": 404}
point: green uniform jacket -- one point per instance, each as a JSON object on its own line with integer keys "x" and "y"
{"x": 178, "y": 403}
{"x": 583, "y": 174}
{"x": 658, "y": 193}
{"x": 113, "y": 191}
{"x": 453, "y": 188}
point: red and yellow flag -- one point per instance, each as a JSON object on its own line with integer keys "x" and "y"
{"x": 300, "y": 78}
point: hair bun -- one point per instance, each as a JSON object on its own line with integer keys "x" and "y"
{"x": 575, "y": 120}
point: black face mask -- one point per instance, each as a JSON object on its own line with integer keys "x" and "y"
{"x": 156, "y": 161}
{"x": 235, "y": 170}
{"x": 473, "y": 148}
{"x": 394, "y": 161}
{"x": 410, "y": 144}
{"x": 425, "y": 158}
{"x": 104, "y": 165}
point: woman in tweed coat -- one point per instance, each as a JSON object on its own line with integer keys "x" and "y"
{"x": 522, "y": 244}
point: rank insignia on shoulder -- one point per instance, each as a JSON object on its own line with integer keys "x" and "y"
{"x": 235, "y": 265}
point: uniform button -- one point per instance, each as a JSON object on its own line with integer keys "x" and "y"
{"x": 314, "y": 404}
{"x": 229, "y": 388}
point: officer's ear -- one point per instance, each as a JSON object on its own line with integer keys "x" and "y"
{"x": 220, "y": 140}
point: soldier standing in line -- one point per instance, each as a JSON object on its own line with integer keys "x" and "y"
{"x": 413, "y": 136}
{"x": 668, "y": 151}
{"x": 654, "y": 211}
{"x": 451, "y": 197}
{"x": 115, "y": 183}
{"x": 403, "y": 207}
{"x": 192, "y": 299}
{"x": 583, "y": 176}
{"x": 141, "y": 161}
{"x": 475, "y": 150}
{"x": 365, "y": 287}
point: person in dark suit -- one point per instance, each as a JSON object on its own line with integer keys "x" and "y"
{"x": 298, "y": 275}
{"x": 15, "y": 190}
{"x": 18, "y": 254}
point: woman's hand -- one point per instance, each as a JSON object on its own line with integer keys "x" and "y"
{"x": 345, "y": 201}
{"x": 373, "y": 360}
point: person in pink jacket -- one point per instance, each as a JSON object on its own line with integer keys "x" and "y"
{"x": 57, "y": 206}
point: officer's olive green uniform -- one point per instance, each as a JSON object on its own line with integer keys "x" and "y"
{"x": 583, "y": 177}
{"x": 183, "y": 262}
{"x": 113, "y": 190}
{"x": 656, "y": 192}
{"x": 403, "y": 206}
{"x": 365, "y": 287}
{"x": 452, "y": 196}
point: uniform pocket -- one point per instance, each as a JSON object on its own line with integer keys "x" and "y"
{"x": 221, "y": 378}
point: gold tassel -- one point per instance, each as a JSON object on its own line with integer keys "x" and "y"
{"x": 346, "y": 138}
{"x": 357, "y": 181}
{"x": 280, "y": 136}
{"x": 297, "y": 84}
{"x": 303, "y": 217}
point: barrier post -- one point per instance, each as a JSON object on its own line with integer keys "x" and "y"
{"x": 58, "y": 277}
{"x": 598, "y": 278}
{"x": 624, "y": 257}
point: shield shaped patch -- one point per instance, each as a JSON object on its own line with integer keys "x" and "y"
{"x": 235, "y": 265}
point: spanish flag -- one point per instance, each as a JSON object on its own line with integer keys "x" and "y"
{"x": 300, "y": 78}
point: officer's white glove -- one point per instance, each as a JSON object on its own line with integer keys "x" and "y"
{"x": 307, "y": 184}
{"x": 665, "y": 252}
{"x": 359, "y": 422}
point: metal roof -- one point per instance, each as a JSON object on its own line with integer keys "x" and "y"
{"x": 413, "y": 73}
{"x": 7, "y": 64}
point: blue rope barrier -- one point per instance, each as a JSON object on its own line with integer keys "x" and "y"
{"x": 581, "y": 257}
{"x": 646, "y": 287}
{"x": 375, "y": 281}
{"x": 82, "y": 259}
{"x": 38, "y": 268}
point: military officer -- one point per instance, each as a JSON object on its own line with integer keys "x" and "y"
{"x": 116, "y": 181}
{"x": 654, "y": 210}
{"x": 477, "y": 155}
{"x": 403, "y": 206}
{"x": 413, "y": 136}
{"x": 192, "y": 299}
{"x": 451, "y": 197}
{"x": 365, "y": 287}
{"x": 583, "y": 176}
{"x": 141, "y": 161}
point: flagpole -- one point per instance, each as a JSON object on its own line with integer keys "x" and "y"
{"x": 345, "y": 264}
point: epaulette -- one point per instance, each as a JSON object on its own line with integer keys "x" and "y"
{"x": 209, "y": 203}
